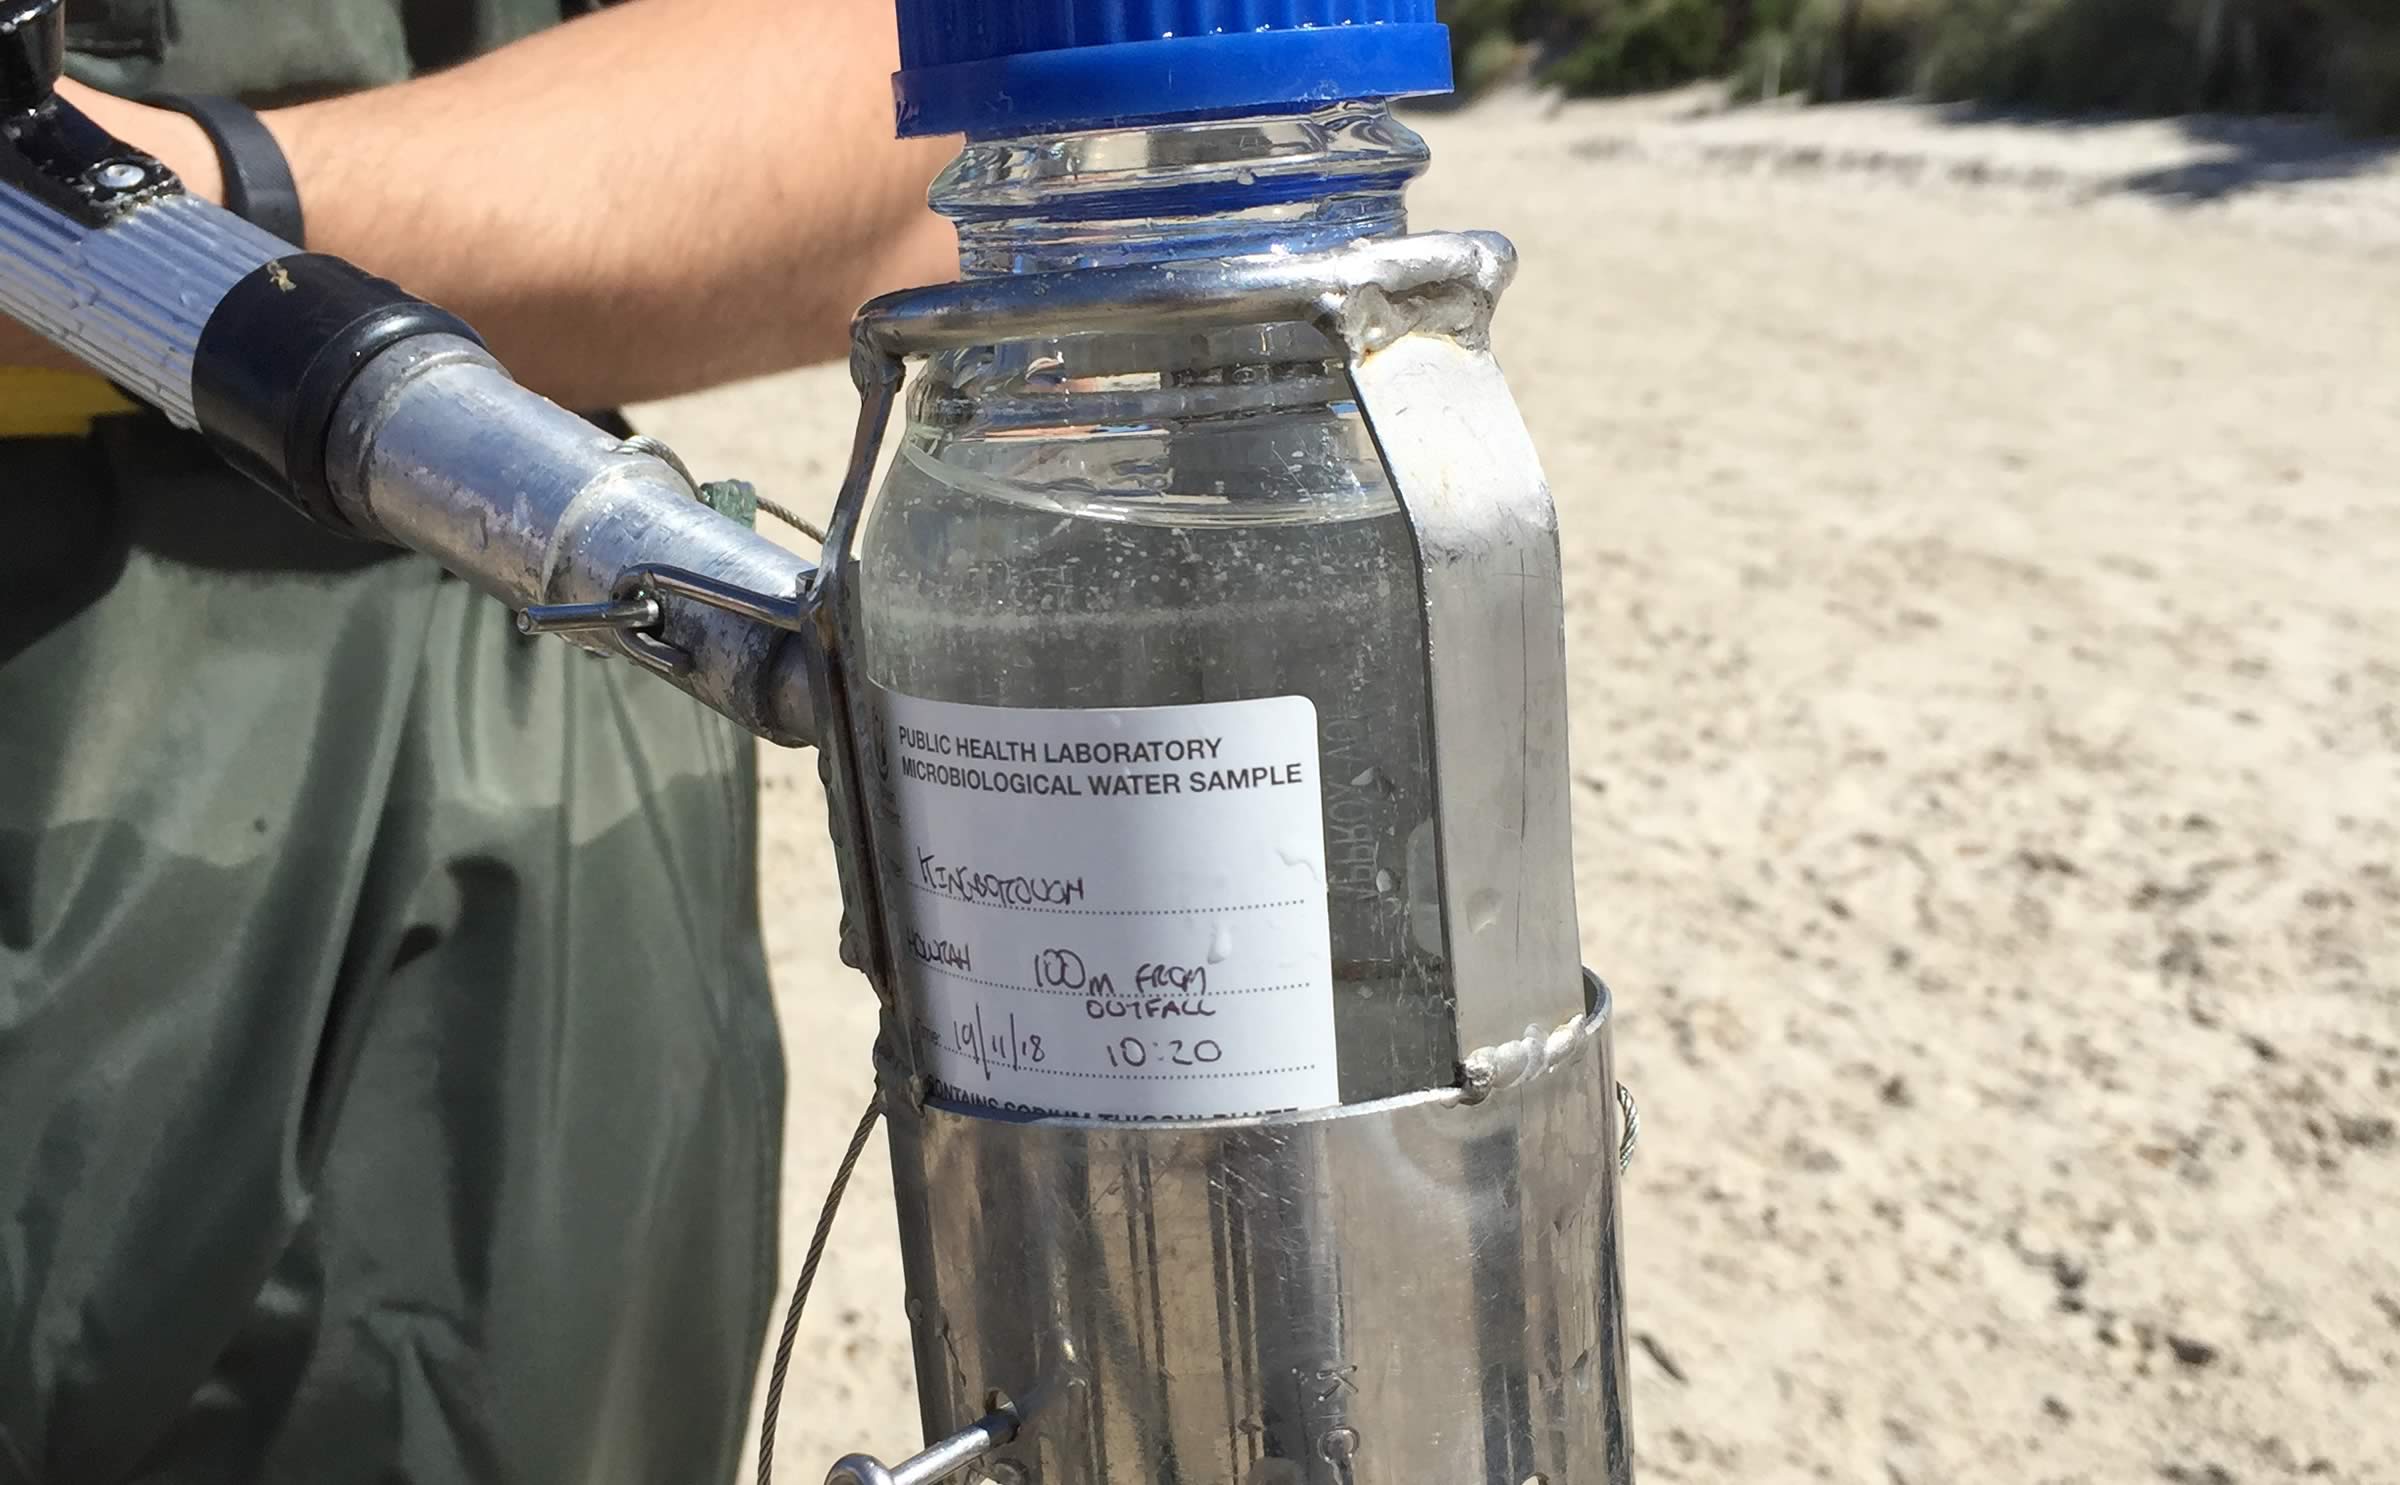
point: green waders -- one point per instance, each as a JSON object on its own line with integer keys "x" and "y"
{"x": 389, "y": 1086}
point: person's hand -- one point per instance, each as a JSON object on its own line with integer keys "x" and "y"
{"x": 172, "y": 139}
{"x": 176, "y": 141}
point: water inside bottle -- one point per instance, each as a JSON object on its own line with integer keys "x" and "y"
{"x": 1165, "y": 519}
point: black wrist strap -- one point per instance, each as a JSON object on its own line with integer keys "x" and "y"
{"x": 258, "y": 180}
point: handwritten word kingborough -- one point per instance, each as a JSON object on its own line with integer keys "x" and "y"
{"x": 975, "y": 885}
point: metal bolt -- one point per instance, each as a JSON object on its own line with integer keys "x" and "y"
{"x": 120, "y": 175}
{"x": 623, "y": 614}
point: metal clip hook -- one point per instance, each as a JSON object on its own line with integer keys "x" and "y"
{"x": 971, "y": 1445}
{"x": 637, "y": 613}
{"x": 623, "y": 615}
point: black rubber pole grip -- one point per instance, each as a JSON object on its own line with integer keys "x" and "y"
{"x": 276, "y": 357}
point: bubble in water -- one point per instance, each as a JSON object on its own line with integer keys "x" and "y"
{"x": 1386, "y": 881}
{"x": 1374, "y": 780}
{"x": 1483, "y": 909}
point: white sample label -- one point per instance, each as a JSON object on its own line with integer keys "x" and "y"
{"x": 1115, "y": 913}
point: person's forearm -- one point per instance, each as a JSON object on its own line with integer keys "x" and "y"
{"x": 659, "y": 197}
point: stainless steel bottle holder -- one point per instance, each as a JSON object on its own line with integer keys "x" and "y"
{"x": 1422, "y": 1288}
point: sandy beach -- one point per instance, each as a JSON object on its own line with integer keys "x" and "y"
{"x": 1983, "y": 577}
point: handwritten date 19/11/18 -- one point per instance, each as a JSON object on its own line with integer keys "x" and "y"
{"x": 1134, "y": 1051}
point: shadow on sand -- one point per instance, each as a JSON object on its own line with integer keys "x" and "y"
{"x": 2244, "y": 154}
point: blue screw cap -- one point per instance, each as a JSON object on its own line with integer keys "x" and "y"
{"x": 992, "y": 68}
